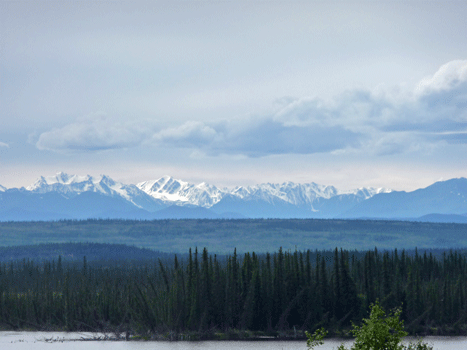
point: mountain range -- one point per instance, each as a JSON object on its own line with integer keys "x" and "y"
{"x": 64, "y": 196}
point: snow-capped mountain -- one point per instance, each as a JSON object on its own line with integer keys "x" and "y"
{"x": 73, "y": 185}
{"x": 180, "y": 192}
{"x": 78, "y": 197}
{"x": 299, "y": 194}
{"x": 166, "y": 191}
{"x": 368, "y": 192}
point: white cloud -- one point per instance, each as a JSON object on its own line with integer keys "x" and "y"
{"x": 438, "y": 106}
{"x": 3, "y": 144}
{"x": 94, "y": 133}
{"x": 189, "y": 134}
{"x": 448, "y": 77}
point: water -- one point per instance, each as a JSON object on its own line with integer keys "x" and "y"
{"x": 41, "y": 340}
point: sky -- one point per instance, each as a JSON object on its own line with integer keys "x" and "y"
{"x": 344, "y": 93}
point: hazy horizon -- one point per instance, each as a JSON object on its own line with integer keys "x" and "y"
{"x": 83, "y": 177}
{"x": 348, "y": 94}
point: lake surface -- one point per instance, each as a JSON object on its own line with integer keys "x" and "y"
{"x": 66, "y": 341}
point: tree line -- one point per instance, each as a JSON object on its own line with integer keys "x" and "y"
{"x": 205, "y": 293}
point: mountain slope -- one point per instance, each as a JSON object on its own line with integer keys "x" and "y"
{"x": 261, "y": 208}
{"x": 444, "y": 197}
{"x": 19, "y": 205}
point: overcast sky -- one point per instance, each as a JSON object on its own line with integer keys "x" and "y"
{"x": 350, "y": 94}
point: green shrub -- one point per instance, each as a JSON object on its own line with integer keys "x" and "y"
{"x": 378, "y": 332}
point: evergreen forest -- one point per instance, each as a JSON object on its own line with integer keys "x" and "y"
{"x": 206, "y": 296}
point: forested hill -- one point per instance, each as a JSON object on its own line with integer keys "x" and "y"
{"x": 77, "y": 251}
{"x": 221, "y": 236}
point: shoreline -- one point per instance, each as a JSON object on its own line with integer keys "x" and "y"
{"x": 64, "y": 336}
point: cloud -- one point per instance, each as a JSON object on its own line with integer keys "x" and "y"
{"x": 93, "y": 133}
{"x": 438, "y": 103}
{"x": 271, "y": 137}
{"x": 451, "y": 137}
{"x": 3, "y": 144}
{"x": 191, "y": 134}
{"x": 435, "y": 112}
{"x": 373, "y": 123}
{"x": 448, "y": 77}
{"x": 257, "y": 138}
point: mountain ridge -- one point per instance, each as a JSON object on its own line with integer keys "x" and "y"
{"x": 72, "y": 196}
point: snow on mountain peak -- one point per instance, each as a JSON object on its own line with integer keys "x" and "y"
{"x": 60, "y": 178}
{"x": 173, "y": 190}
{"x": 293, "y": 193}
{"x": 366, "y": 192}
{"x": 73, "y": 185}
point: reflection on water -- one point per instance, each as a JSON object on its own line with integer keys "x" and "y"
{"x": 70, "y": 341}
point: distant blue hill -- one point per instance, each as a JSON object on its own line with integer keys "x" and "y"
{"x": 18, "y": 205}
{"x": 446, "y": 197}
{"x": 444, "y": 218}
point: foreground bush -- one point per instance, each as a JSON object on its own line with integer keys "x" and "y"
{"x": 378, "y": 332}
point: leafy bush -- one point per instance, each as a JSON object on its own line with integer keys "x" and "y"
{"x": 378, "y": 332}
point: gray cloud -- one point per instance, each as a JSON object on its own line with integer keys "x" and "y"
{"x": 429, "y": 126}
{"x": 435, "y": 112}
{"x": 257, "y": 138}
{"x": 451, "y": 137}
